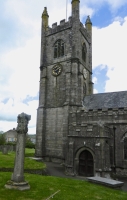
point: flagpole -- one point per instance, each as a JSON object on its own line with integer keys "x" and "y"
{"x": 66, "y": 9}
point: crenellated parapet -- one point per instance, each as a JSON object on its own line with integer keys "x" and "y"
{"x": 63, "y": 25}
{"x": 88, "y": 123}
{"x": 96, "y": 114}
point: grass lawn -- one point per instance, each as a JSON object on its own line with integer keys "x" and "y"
{"x": 29, "y": 152}
{"x": 7, "y": 160}
{"x": 42, "y": 187}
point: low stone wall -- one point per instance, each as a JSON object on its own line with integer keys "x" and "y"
{"x": 7, "y": 148}
{"x": 30, "y": 171}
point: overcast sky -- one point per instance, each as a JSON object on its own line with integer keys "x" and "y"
{"x": 20, "y": 29}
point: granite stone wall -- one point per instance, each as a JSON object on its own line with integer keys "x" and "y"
{"x": 58, "y": 93}
{"x": 94, "y": 130}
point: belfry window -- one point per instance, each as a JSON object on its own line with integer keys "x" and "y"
{"x": 84, "y": 51}
{"x": 125, "y": 148}
{"x": 59, "y": 49}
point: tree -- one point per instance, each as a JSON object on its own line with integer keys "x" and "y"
{"x": 29, "y": 144}
{"x": 2, "y": 139}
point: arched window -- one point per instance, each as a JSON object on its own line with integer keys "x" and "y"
{"x": 59, "y": 49}
{"x": 84, "y": 51}
{"x": 125, "y": 148}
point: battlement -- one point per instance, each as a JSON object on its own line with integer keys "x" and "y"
{"x": 57, "y": 28}
{"x": 94, "y": 115}
{"x": 109, "y": 111}
{"x": 103, "y": 109}
{"x": 63, "y": 25}
{"x": 94, "y": 122}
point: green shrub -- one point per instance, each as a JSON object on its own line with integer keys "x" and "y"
{"x": 10, "y": 143}
{"x": 2, "y": 139}
{"x": 30, "y": 145}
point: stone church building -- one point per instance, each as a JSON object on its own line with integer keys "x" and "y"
{"x": 85, "y": 131}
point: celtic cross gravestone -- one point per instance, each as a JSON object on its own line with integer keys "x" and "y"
{"x": 17, "y": 180}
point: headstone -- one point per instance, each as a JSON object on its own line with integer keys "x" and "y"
{"x": 5, "y": 150}
{"x": 17, "y": 180}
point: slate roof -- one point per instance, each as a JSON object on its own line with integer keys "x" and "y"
{"x": 106, "y": 100}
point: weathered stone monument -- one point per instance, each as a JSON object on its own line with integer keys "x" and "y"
{"x": 17, "y": 180}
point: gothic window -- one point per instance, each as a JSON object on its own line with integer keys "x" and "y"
{"x": 84, "y": 51}
{"x": 125, "y": 148}
{"x": 59, "y": 49}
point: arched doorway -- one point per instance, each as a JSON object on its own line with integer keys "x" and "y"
{"x": 86, "y": 164}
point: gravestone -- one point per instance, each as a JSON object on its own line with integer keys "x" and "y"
{"x": 5, "y": 149}
{"x": 17, "y": 180}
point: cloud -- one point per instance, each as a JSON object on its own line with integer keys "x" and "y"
{"x": 114, "y": 4}
{"x": 94, "y": 80}
{"x": 109, "y": 49}
{"x": 20, "y": 80}
{"x": 29, "y": 13}
{"x": 120, "y": 19}
{"x": 24, "y": 65}
{"x": 12, "y": 108}
{"x": 85, "y": 11}
{"x": 7, "y": 125}
{"x": 95, "y": 91}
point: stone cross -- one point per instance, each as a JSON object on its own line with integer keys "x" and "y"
{"x": 17, "y": 179}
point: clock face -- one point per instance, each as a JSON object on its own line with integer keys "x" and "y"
{"x": 84, "y": 73}
{"x": 56, "y": 70}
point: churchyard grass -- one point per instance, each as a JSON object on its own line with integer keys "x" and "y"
{"x": 48, "y": 187}
{"x": 43, "y": 187}
{"x": 29, "y": 152}
{"x": 7, "y": 160}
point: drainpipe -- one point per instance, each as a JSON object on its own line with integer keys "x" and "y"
{"x": 114, "y": 137}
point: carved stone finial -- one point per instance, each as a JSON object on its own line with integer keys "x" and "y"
{"x": 45, "y": 17}
{"x": 88, "y": 20}
{"x": 45, "y": 13}
{"x": 23, "y": 120}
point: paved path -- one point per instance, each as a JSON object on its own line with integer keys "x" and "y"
{"x": 55, "y": 169}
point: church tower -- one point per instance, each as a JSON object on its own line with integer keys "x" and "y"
{"x": 65, "y": 78}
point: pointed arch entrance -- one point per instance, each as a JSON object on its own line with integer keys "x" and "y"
{"x": 86, "y": 164}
